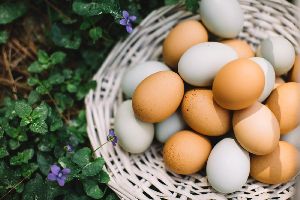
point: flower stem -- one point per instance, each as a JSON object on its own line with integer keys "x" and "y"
{"x": 100, "y": 146}
{"x": 14, "y": 187}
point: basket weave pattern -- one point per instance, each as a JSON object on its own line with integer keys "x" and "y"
{"x": 144, "y": 176}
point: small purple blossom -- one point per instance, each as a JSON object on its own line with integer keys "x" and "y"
{"x": 58, "y": 175}
{"x": 127, "y": 21}
{"x": 69, "y": 148}
{"x": 112, "y": 137}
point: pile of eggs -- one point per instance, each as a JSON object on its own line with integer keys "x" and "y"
{"x": 215, "y": 104}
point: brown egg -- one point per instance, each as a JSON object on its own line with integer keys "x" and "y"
{"x": 242, "y": 48}
{"x": 256, "y": 129}
{"x": 238, "y": 84}
{"x": 284, "y": 102}
{"x": 158, "y": 96}
{"x": 280, "y": 166}
{"x": 278, "y": 81}
{"x": 183, "y": 36}
{"x": 203, "y": 115}
{"x": 186, "y": 152}
{"x": 295, "y": 73}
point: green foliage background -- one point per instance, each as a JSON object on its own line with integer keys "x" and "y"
{"x": 35, "y": 125}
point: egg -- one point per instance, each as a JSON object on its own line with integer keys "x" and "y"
{"x": 168, "y": 127}
{"x": 242, "y": 48}
{"x": 228, "y": 166}
{"x": 203, "y": 115}
{"x": 293, "y": 137}
{"x": 238, "y": 84}
{"x": 183, "y": 36}
{"x": 295, "y": 73}
{"x": 256, "y": 129}
{"x": 277, "y": 167}
{"x": 269, "y": 77}
{"x": 278, "y": 81}
{"x": 158, "y": 96}
{"x": 223, "y": 18}
{"x": 186, "y": 152}
{"x": 284, "y": 102}
{"x": 134, "y": 135}
{"x": 134, "y": 75}
{"x": 279, "y": 52}
{"x": 200, "y": 63}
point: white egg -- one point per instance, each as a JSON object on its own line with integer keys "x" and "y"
{"x": 228, "y": 166}
{"x": 279, "y": 52}
{"x": 136, "y": 74}
{"x": 269, "y": 77}
{"x": 134, "y": 135}
{"x": 223, "y": 18}
{"x": 293, "y": 137}
{"x": 199, "y": 65}
{"x": 168, "y": 127}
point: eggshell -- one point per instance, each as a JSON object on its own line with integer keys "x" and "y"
{"x": 203, "y": 115}
{"x": 293, "y": 137}
{"x": 295, "y": 73}
{"x": 280, "y": 166}
{"x": 284, "y": 102}
{"x": 242, "y": 48}
{"x": 181, "y": 37}
{"x": 228, "y": 166}
{"x": 256, "y": 129}
{"x": 223, "y": 18}
{"x": 186, "y": 152}
{"x": 134, "y": 75}
{"x": 278, "y": 81}
{"x": 134, "y": 135}
{"x": 158, "y": 96}
{"x": 269, "y": 77}
{"x": 168, "y": 127}
{"x": 199, "y": 65}
{"x": 238, "y": 84}
{"x": 279, "y": 52}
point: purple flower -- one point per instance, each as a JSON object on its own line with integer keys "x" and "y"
{"x": 69, "y": 148}
{"x": 58, "y": 175}
{"x": 112, "y": 137}
{"x": 127, "y": 21}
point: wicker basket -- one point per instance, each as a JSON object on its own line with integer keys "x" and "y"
{"x": 144, "y": 176}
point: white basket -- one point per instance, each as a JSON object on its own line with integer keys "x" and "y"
{"x": 144, "y": 176}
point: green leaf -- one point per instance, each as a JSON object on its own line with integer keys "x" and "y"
{"x": 39, "y": 126}
{"x": 93, "y": 168}
{"x": 33, "y": 97}
{"x": 3, "y": 37}
{"x": 23, "y": 109}
{"x": 31, "y": 81}
{"x": 12, "y": 132}
{"x": 9, "y": 11}
{"x": 55, "y": 121}
{"x": 72, "y": 88}
{"x": 95, "y": 33}
{"x": 40, "y": 112}
{"x": 44, "y": 162}
{"x": 192, "y": 5}
{"x": 3, "y": 152}
{"x": 57, "y": 57}
{"x": 92, "y": 189}
{"x": 35, "y": 67}
{"x": 22, "y": 157}
{"x": 22, "y": 137}
{"x": 41, "y": 89}
{"x": 43, "y": 57}
{"x": 112, "y": 196}
{"x": 64, "y": 101}
{"x": 28, "y": 169}
{"x": 25, "y": 121}
{"x": 97, "y": 7}
{"x": 171, "y": 2}
{"x": 13, "y": 144}
{"x": 56, "y": 79}
{"x": 103, "y": 177}
{"x": 82, "y": 156}
{"x": 47, "y": 143}
{"x": 63, "y": 37}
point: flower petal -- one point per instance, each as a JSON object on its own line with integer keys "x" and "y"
{"x": 51, "y": 177}
{"x": 123, "y": 22}
{"x": 66, "y": 171}
{"x": 125, "y": 14}
{"x": 61, "y": 181}
{"x": 129, "y": 28}
{"x": 55, "y": 169}
{"x": 132, "y": 18}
